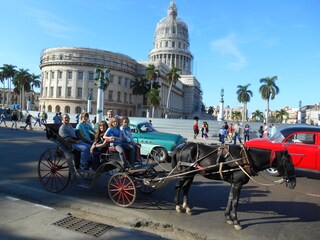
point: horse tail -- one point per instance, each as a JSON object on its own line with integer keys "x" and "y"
{"x": 174, "y": 158}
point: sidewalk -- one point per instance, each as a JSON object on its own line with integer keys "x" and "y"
{"x": 21, "y": 219}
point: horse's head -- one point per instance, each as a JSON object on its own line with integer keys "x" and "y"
{"x": 285, "y": 168}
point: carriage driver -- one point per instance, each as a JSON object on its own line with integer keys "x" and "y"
{"x": 69, "y": 134}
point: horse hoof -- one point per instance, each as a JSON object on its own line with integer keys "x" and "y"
{"x": 178, "y": 209}
{"x": 237, "y": 226}
{"x": 229, "y": 221}
{"x": 189, "y": 211}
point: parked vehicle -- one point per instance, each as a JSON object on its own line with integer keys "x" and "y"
{"x": 302, "y": 143}
{"x": 152, "y": 140}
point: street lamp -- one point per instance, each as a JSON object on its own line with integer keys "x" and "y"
{"x": 102, "y": 81}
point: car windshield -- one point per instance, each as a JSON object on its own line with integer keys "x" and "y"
{"x": 277, "y": 137}
{"x": 146, "y": 127}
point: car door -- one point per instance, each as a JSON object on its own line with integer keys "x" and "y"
{"x": 303, "y": 149}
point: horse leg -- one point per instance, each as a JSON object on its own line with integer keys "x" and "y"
{"x": 228, "y": 208}
{"x": 233, "y": 201}
{"x": 186, "y": 188}
{"x": 178, "y": 187}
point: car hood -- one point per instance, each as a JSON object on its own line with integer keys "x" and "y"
{"x": 162, "y": 136}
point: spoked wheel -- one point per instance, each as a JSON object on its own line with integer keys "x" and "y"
{"x": 53, "y": 170}
{"x": 122, "y": 190}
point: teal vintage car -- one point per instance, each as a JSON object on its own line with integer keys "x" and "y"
{"x": 153, "y": 141}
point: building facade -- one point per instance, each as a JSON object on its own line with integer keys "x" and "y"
{"x": 68, "y": 76}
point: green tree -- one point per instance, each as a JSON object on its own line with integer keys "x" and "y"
{"x": 257, "y": 116}
{"x": 268, "y": 90}
{"x": 22, "y": 82}
{"x": 281, "y": 114}
{"x": 152, "y": 74}
{"x": 236, "y": 115}
{"x": 244, "y": 95}
{"x": 172, "y": 78}
{"x": 153, "y": 99}
{"x": 140, "y": 87}
{"x": 7, "y": 72}
{"x": 210, "y": 110}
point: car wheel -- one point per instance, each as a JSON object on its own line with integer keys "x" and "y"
{"x": 163, "y": 155}
{"x": 272, "y": 172}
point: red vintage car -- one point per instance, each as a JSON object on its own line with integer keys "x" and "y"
{"x": 302, "y": 142}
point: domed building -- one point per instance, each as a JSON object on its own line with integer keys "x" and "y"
{"x": 68, "y": 76}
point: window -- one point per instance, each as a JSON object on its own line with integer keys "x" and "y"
{"x": 119, "y": 80}
{"x": 173, "y": 30}
{"x": 52, "y": 75}
{"x": 69, "y": 74}
{"x": 119, "y": 97}
{"x": 59, "y": 74}
{"x": 59, "y": 91}
{"x": 167, "y": 44}
{"x": 51, "y": 91}
{"x": 67, "y": 109}
{"x": 47, "y": 75}
{"x": 304, "y": 138}
{"x": 173, "y": 44}
{"x": 110, "y": 96}
{"x": 69, "y": 92}
{"x": 61, "y": 56}
{"x": 80, "y": 75}
{"x": 111, "y": 78}
{"x": 125, "y": 98}
{"x": 90, "y": 76}
{"x": 126, "y": 82}
{"x": 79, "y": 93}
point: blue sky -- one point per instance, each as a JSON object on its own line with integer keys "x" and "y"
{"x": 233, "y": 42}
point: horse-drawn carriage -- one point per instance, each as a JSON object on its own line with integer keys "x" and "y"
{"x": 234, "y": 164}
{"x": 58, "y": 166}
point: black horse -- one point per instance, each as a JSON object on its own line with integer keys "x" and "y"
{"x": 234, "y": 164}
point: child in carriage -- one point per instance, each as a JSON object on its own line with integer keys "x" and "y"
{"x": 118, "y": 142}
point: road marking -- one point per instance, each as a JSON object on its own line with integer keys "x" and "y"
{"x": 313, "y": 195}
{"x": 43, "y": 206}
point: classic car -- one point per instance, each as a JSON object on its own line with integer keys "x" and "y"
{"x": 302, "y": 143}
{"x": 152, "y": 140}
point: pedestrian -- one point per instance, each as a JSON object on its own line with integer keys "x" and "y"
{"x": 246, "y": 132}
{"x": 28, "y": 122}
{"x": 236, "y": 133}
{"x": 265, "y": 130}
{"x": 205, "y": 130}
{"x": 222, "y": 134}
{"x": 260, "y": 132}
{"x": 43, "y": 118}
{"x": 14, "y": 119}
{"x": 67, "y": 132}
{"x": 273, "y": 129}
{"x": 38, "y": 120}
{"x": 56, "y": 119}
{"x": 3, "y": 119}
{"x": 230, "y": 133}
{"x": 195, "y": 127}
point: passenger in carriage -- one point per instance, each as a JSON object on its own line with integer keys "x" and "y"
{"x": 100, "y": 144}
{"x": 126, "y": 131}
{"x": 85, "y": 129}
{"x": 117, "y": 140}
{"x": 67, "y": 132}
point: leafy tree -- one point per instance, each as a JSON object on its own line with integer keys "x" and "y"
{"x": 140, "y": 87}
{"x": 268, "y": 90}
{"x": 244, "y": 95}
{"x": 22, "y": 82}
{"x": 210, "y": 110}
{"x": 7, "y": 72}
{"x": 281, "y": 114}
{"x": 172, "y": 78}
{"x": 257, "y": 116}
{"x": 153, "y": 99}
{"x": 152, "y": 74}
{"x": 236, "y": 115}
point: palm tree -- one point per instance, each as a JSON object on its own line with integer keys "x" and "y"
{"x": 268, "y": 91}
{"x": 244, "y": 97}
{"x": 140, "y": 87}
{"x": 236, "y": 115}
{"x": 172, "y": 78}
{"x": 35, "y": 82}
{"x": 7, "y": 73}
{"x": 258, "y": 116}
{"x": 152, "y": 74}
{"x": 153, "y": 98}
{"x": 281, "y": 114}
{"x": 22, "y": 83}
{"x": 210, "y": 110}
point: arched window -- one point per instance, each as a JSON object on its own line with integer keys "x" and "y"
{"x": 57, "y": 108}
{"x": 49, "y": 108}
{"x": 67, "y": 109}
{"x": 78, "y": 109}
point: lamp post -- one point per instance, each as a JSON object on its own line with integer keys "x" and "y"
{"x": 102, "y": 81}
{"x": 299, "y": 112}
{"x": 221, "y": 110}
{"x": 89, "y": 102}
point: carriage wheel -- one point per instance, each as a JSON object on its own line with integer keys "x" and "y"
{"x": 53, "y": 170}
{"x": 122, "y": 190}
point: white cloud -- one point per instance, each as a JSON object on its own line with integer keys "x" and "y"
{"x": 52, "y": 24}
{"x": 228, "y": 47}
